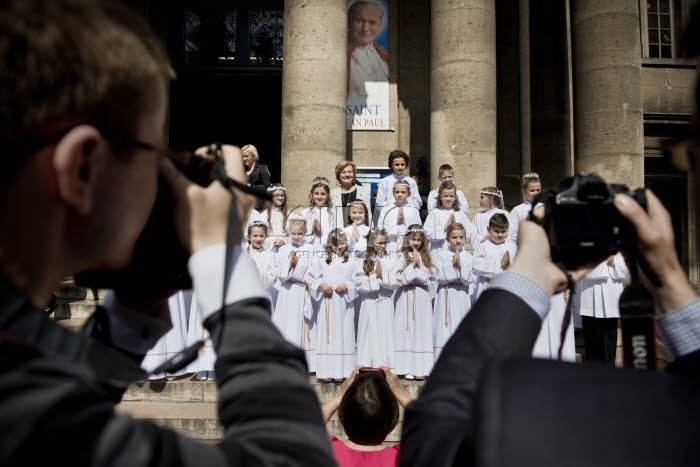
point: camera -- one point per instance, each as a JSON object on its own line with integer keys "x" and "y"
{"x": 582, "y": 222}
{"x": 366, "y": 369}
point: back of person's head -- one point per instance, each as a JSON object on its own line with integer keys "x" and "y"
{"x": 498, "y": 221}
{"x": 251, "y": 150}
{"x": 73, "y": 62}
{"x": 369, "y": 410}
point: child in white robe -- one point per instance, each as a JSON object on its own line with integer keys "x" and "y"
{"x": 491, "y": 202}
{"x": 293, "y": 313}
{"x": 397, "y": 216}
{"x": 398, "y": 164}
{"x": 549, "y": 338}
{"x": 454, "y": 276}
{"x": 447, "y": 212}
{"x": 492, "y": 256}
{"x": 334, "y": 291}
{"x": 375, "y": 328}
{"x": 264, "y": 259}
{"x": 275, "y": 216}
{"x": 203, "y": 366}
{"x": 532, "y": 186}
{"x": 358, "y": 230}
{"x": 413, "y": 317}
{"x": 597, "y": 304}
{"x": 175, "y": 340}
{"x": 319, "y": 214}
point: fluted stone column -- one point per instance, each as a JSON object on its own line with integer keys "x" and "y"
{"x": 314, "y": 83}
{"x": 608, "y": 118}
{"x": 463, "y": 93}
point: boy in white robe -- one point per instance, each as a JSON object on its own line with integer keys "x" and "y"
{"x": 492, "y": 256}
{"x": 396, "y": 217}
{"x": 491, "y": 202}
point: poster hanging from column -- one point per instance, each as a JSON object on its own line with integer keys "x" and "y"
{"x": 368, "y": 65}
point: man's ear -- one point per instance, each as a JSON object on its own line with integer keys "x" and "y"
{"x": 76, "y": 162}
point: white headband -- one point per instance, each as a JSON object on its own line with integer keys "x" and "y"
{"x": 319, "y": 182}
{"x": 357, "y": 201}
{"x": 257, "y": 223}
{"x": 499, "y": 194}
{"x": 296, "y": 217}
{"x": 410, "y": 231}
{"x": 275, "y": 188}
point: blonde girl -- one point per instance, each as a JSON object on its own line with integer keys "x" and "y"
{"x": 491, "y": 202}
{"x": 532, "y": 186}
{"x": 334, "y": 292}
{"x": 358, "y": 230}
{"x": 455, "y": 279}
{"x": 293, "y": 269}
{"x": 375, "y": 327}
{"x": 447, "y": 211}
{"x": 275, "y": 216}
{"x": 395, "y": 217}
{"x": 319, "y": 214}
{"x": 264, "y": 259}
{"x": 413, "y": 323}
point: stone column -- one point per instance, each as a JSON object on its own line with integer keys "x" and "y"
{"x": 524, "y": 42}
{"x": 463, "y": 93}
{"x": 314, "y": 84}
{"x": 608, "y": 118}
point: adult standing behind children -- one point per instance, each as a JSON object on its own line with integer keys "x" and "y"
{"x": 83, "y": 105}
{"x": 350, "y": 189}
{"x": 256, "y": 175}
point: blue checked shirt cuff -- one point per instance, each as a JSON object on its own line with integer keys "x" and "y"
{"x": 680, "y": 329}
{"x": 531, "y": 293}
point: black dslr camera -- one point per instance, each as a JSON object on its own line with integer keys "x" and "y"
{"x": 582, "y": 222}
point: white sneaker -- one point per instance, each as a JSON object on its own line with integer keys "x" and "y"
{"x": 201, "y": 376}
{"x": 211, "y": 375}
{"x": 409, "y": 376}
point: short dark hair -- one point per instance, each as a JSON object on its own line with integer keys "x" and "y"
{"x": 395, "y": 154}
{"x": 498, "y": 221}
{"x": 368, "y": 410}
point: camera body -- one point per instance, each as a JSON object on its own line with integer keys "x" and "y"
{"x": 582, "y": 222}
{"x": 366, "y": 369}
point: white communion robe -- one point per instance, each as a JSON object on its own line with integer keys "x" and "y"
{"x": 598, "y": 293}
{"x": 175, "y": 340}
{"x": 548, "y": 340}
{"x": 461, "y": 199}
{"x": 264, "y": 261}
{"x": 453, "y": 299}
{"x": 327, "y": 220}
{"x": 207, "y": 355}
{"x": 413, "y": 321}
{"x": 335, "y": 318}
{"x": 375, "y": 327}
{"x": 385, "y": 191}
{"x": 357, "y": 248}
{"x": 481, "y": 223}
{"x": 294, "y": 304}
{"x": 395, "y": 232}
{"x": 278, "y": 230}
{"x": 487, "y": 263}
{"x": 434, "y": 227}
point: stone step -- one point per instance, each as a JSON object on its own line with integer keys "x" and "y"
{"x": 196, "y": 420}
{"x": 73, "y": 324}
{"x": 69, "y": 309}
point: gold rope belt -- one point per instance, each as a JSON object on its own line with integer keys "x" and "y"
{"x": 413, "y": 288}
{"x": 447, "y": 300}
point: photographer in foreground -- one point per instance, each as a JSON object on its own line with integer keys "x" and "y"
{"x": 486, "y": 403}
{"x": 83, "y": 99}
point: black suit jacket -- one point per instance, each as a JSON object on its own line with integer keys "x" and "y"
{"x": 487, "y": 403}
{"x": 259, "y": 179}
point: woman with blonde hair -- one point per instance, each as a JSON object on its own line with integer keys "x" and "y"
{"x": 256, "y": 175}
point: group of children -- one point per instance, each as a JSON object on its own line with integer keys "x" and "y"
{"x": 392, "y": 294}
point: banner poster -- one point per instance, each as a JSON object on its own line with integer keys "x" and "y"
{"x": 368, "y": 65}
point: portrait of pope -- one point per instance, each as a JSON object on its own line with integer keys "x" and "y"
{"x": 366, "y": 59}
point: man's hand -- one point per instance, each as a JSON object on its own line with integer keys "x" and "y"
{"x": 657, "y": 250}
{"x": 201, "y": 214}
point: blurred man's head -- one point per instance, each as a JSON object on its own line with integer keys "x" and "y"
{"x": 82, "y": 82}
{"x": 365, "y": 20}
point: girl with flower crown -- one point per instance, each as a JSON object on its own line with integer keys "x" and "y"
{"x": 413, "y": 317}
{"x": 319, "y": 214}
{"x": 491, "y": 202}
{"x": 275, "y": 216}
{"x": 293, "y": 268}
{"x": 334, "y": 292}
{"x": 447, "y": 211}
{"x": 395, "y": 217}
{"x": 375, "y": 286}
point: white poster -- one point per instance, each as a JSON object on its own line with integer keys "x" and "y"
{"x": 368, "y": 65}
